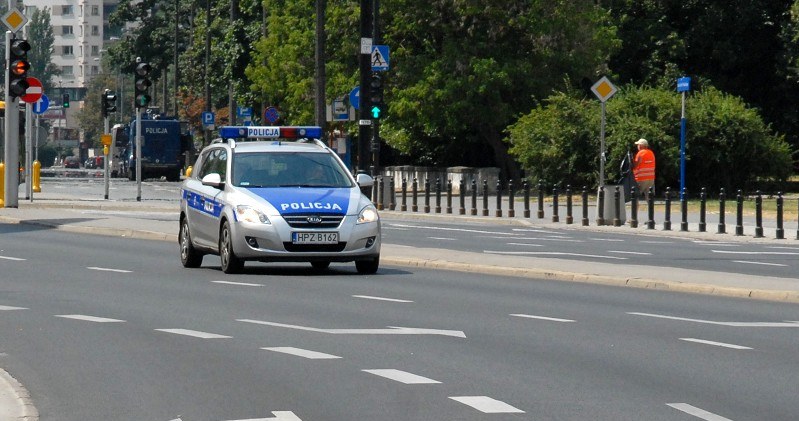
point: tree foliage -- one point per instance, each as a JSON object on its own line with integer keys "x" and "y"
{"x": 41, "y": 54}
{"x": 728, "y": 144}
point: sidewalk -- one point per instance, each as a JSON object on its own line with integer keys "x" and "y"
{"x": 158, "y": 220}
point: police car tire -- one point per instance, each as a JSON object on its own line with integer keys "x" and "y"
{"x": 230, "y": 262}
{"x": 189, "y": 256}
{"x": 367, "y": 267}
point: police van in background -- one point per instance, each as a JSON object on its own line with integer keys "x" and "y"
{"x": 276, "y": 194}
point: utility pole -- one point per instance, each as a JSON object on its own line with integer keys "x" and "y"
{"x": 365, "y": 54}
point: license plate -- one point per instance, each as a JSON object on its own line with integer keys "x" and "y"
{"x": 314, "y": 237}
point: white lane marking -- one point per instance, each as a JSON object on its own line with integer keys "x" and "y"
{"x": 759, "y": 253}
{"x": 525, "y": 244}
{"x": 534, "y": 230}
{"x": 637, "y": 253}
{"x": 401, "y": 376}
{"x": 566, "y": 240}
{"x": 697, "y": 412}
{"x": 552, "y": 253}
{"x": 656, "y": 242}
{"x": 243, "y": 284}
{"x": 715, "y": 243}
{"x": 551, "y": 319}
{"x": 442, "y": 238}
{"x": 109, "y": 270}
{"x": 747, "y": 262}
{"x": 783, "y": 248}
{"x": 721, "y": 344}
{"x": 711, "y": 322}
{"x": 194, "y": 333}
{"x": 89, "y": 318}
{"x": 278, "y": 416}
{"x": 559, "y": 237}
{"x": 452, "y": 229}
{"x": 304, "y": 353}
{"x": 617, "y": 240}
{"x": 390, "y": 330}
{"x": 487, "y": 405}
{"x": 16, "y": 259}
{"x": 393, "y": 300}
{"x": 8, "y": 308}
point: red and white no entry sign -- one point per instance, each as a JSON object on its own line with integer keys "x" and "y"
{"x": 34, "y": 91}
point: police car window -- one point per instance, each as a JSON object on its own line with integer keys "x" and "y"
{"x": 214, "y": 162}
{"x": 288, "y": 169}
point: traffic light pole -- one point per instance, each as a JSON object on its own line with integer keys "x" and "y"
{"x": 106, "y": 164}
{"x": 138, "y": 154}
{"x": 364, "y": 129}
{"x": 11, "y": 154}
{"x": 29, "y": 151}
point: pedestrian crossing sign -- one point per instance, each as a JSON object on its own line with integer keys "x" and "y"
{"x": 379, "y": 58}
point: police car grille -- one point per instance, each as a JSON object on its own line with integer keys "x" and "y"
{"x": 314, "y": 247}
{"x": 301, "y": 221}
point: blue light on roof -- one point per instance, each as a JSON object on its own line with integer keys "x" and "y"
{"x": 270, "y": 132}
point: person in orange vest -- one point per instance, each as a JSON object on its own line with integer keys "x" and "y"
{"x": 644, "y": 168}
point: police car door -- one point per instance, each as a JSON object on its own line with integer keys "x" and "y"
{"x": 207, "y": 209}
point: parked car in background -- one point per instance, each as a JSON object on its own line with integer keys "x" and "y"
{"x": 71, "y": 162}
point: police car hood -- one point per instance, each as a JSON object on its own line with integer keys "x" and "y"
{"x": 305, "y": 200}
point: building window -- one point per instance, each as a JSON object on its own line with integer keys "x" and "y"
{"x": 95, "y": 70}
{"x": 29, "y": 10}
{"x": 66, "y": 50}
{"x": 95, "y": 50}
{"x": 95, "y": 30}
{"x": 66, "y": 10}
{"x": 67, "y": 30}
{"x": 68, "y": 71}
{"x": 95, "y": 10}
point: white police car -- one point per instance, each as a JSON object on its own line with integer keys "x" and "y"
{"x": 276, "y": 194}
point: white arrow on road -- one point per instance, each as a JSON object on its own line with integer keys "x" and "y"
{"x": 279, "y": 416}
{"x": 390, "y": 330}
{"x": 732, "y": 324}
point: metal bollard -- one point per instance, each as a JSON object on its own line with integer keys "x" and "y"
{"x": 722, "y": 222}
{"x": 474, "y": 198}
{"x": 462, "y": 195}
{"x": 540, "y": 200}
{"x": 427, "y": 195}
{"x": 404, "y": 205}
{"x": 498, "y": 212}
{"x": 438, "y": 195}
{"x": 485, "y": 197}
{"x": 702, "y": 210}
{"x": 739, "y": 214}
{"x": 378, "y": 195}
{"x": 617, "y": 207}
{"x": 600, "y": 210}
{"x": 36, "y": 177}
{"x": 633, "y": 208}
{"x": 511, "y": 206}
{"x": 585, "y": 206}
{"x": 392, "y": 202}
{"x": 526, "y": 188}
{"x": 758, "y": 215}
{"x": 569, "y": 217}
{"x": 667, "y": 220}
{"x": 449, "y": 196}
{"x": 650, "y": 209}
{"x": 414, "y": 202}
{"x": 555, "y": 217}
{"x": 684, "y": 210}
{"x": 780, "y": 230}
{"x": 3, "y": 187}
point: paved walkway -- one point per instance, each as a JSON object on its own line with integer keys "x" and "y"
{"x": 158, "y": 220}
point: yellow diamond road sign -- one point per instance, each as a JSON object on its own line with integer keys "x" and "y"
{"x": 603, "y": 89}
{"x": 14, "y": 20}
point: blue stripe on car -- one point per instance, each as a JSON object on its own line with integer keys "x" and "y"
{"x": 303, "y": 200}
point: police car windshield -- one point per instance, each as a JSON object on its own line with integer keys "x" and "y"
{"x": 288, "y": 169}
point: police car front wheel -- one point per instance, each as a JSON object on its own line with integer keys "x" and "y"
{"x": 230, "y": 262}
{"x": 367, "y": 267}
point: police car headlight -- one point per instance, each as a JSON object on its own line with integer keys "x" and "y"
{"x": 250, "y": 214}
{"x": 368, "y": 214}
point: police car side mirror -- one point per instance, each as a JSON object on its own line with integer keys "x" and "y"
{"x": 213, "y": 180}
{"x": 364, "y": 180}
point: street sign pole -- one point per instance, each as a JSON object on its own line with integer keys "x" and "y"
{"x": 28, "y": 151}
{"x": 138, "y": 154}
{"x": 683, "y": 86}
{"x": 602, "y": 149}
{"x": 11, "y": 154}
{"x": 106, "y": 164}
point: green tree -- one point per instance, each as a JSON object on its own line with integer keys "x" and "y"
{"x": 90, "y": 117}
{"x": 41, "y": 38}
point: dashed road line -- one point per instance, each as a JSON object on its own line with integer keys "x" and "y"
{"x": 637, "y": 253}
{"x": 526, "y": 244}
{"x": 194, "y": 333}
{"x": 109, "y": 269}
{"x": 748, "y": 262}
{"x": 697, "y": 412}
{"x": 712, "y": 322}
{"x": 243, "y": 284}
{"x": 16, "y": 259}
{"x": 612, "y": 240}
{"x": 393, "y": 300}
{"x": 552, "y": 253}
{"x": 551, "y": 319}
{"x": 442, "y": 238}
{"x": 758, "y": 253}
{"x": 401, "y": 376}
{"x": 304, "y": 353}
{"x": 721, "y": 344}
{"x": 9, "y": 308}
{"x": 487, "y": 405}
{"x": 89, "y": 318}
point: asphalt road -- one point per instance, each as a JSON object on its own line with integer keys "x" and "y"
{"x": 116, "y": 329}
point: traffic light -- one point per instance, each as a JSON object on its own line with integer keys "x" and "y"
{"x": 376, "y": 95}
{"x": 142, "y": 99}
{"x": 65, "y": 101}
{"x": 18, "y": 66}
{"x": 109, "y": 102}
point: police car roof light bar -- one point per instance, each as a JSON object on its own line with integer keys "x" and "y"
{"x": 270, "y": 132}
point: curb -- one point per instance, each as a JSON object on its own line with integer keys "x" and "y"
{"x": 22, "y": 409}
